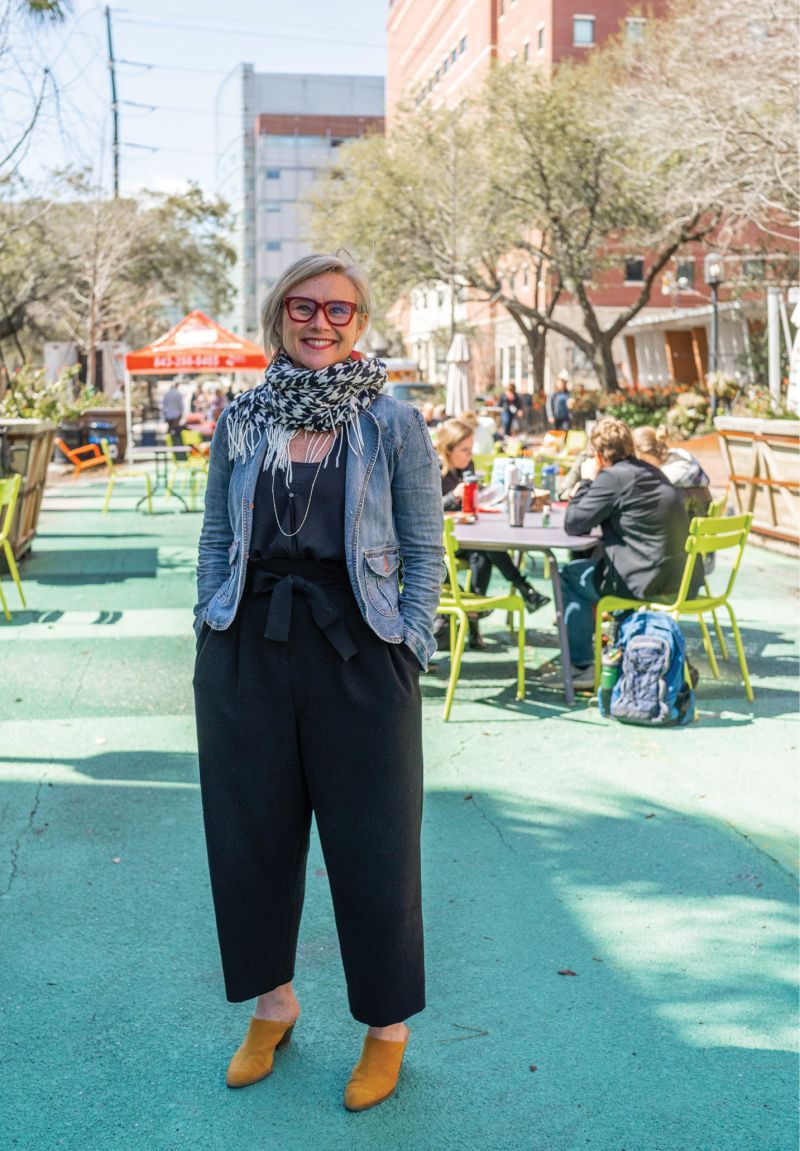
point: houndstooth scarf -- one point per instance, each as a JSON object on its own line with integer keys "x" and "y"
{"x": 293, "y": 398}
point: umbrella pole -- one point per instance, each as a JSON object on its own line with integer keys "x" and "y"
{"x": 128, "y": 418}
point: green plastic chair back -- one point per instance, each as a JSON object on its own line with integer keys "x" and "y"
{"x": 707, "y": 535}
{"x": 456, "y": 602}
{"x": 9, "y": 492}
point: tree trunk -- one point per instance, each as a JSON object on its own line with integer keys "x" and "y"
{"x": 539, "y": 356}
{"x": 604, "y": 365}
{"x": 536, "y": 339}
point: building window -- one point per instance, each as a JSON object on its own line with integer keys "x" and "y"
{"x": 634, "y": 270}
{"x": 462, "y": 45}
{"x": 272, "y": 206}
{"x": 540, "y": 37}
{"x": 634, "y": 29}
{"x": 526, "y": 277}
{"x": 754, "y": 269}
{"x": 526, "y": 51}
{"x": 272, "y": 173}
{"x": 684, "y": 274}
{"x": 272, "y": 246}
{"x": 583, "y": 31}
{"x": 445, "y": 64}
{"x": 454, "y": 56}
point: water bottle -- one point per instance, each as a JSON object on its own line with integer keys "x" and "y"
{"x": 609, "y": 674}
{"x": 549, "y": 477}
{"x": 546, "y": 516}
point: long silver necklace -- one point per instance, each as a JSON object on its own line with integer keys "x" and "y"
{"x": 310, "y": 450}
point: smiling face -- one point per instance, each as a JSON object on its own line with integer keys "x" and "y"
{"x": 316, "y": 343}
{"x": 459, "y": 456}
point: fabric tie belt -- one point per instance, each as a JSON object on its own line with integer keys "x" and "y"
{"x": 282, "y": 578}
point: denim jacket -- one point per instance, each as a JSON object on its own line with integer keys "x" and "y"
{"x": 393, "y": 528}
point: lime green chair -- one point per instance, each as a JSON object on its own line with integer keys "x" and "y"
{"x": 706, "y": 535}
{"x": 191, "y": 469}
{"x": 114, "y": 472}
{"x": 483, "y": 465}
{"x": 456, "y": 603}
{"x": 9, "y": 491}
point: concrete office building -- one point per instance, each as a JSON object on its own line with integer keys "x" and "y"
{"x": 274, "y": 134}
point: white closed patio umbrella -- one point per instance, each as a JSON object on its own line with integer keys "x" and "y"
{"x": 460, "y": 395}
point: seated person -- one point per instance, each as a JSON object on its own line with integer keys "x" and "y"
{"x": 454, "y": 443}
{"x": 644, "y": 527}
{"x": 679, "y": 466}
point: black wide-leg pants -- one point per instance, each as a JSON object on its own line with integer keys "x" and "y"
{"x": 287, "y": 728}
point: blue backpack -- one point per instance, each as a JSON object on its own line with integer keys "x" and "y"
{"x": 652, "y": 687}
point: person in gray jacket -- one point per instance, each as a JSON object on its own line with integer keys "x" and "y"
{"x": 644, "y": 526}
{"x": 322, "y": 494}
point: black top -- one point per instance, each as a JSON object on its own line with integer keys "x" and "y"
{"x": 322, "y": 535}
{"x": 644, "y": 528}
{"x": 453, "y": 478}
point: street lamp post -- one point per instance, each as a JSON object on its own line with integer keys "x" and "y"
{"x": 712, "y": 271}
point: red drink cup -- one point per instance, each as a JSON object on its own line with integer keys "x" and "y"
{"x": 470, "y": 495}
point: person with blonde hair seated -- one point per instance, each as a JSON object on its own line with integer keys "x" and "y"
{"x": 679, "y": 466}
{"x": 454, "y": 444}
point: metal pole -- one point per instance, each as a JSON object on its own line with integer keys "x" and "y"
{"x": 774, "y": 342}
{"x": 714, "y": 345}
{"x": 114, "y": 103}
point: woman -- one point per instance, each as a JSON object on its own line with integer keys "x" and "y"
{"x": 680, "y": 467}
{"x": 511, "y": 408}
{"x": 320, "y": 491}
{"x": 454, "y": 444}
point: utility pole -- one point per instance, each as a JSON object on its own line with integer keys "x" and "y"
{"x": 114, "y": 103}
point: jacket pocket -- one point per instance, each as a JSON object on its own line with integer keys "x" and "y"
{"x": 382, "y": 579}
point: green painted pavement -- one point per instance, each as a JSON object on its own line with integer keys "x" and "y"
{"x": 660, "y": 867}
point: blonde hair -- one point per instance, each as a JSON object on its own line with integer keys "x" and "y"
{"x": 611, "y": 438}
{"x": 448, "y": 436}
{"x": 469, "y": 418}
{"x": 650, "y": 441}
{"x": 317, "y": 264}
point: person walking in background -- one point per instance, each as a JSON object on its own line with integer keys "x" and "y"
{"x": 511, "y": 409}
{"x": 558, "y": 404}
{"x": 172, "y": 408}
{"x": 321, "y": 491}
{"x": 644, "y": 527}
{"x": 217, "y": 403}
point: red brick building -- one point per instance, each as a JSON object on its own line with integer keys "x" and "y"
{"x": 441, "y": 50}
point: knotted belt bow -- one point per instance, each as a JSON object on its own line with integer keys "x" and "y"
{"x": 327, "y": 615}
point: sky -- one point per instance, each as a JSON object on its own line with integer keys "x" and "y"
{"x": 171, "y": 57}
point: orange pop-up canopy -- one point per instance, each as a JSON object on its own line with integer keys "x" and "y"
{"x": 196, "y": 344}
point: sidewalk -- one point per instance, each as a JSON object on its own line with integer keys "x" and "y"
{"x": 658, "y": 867}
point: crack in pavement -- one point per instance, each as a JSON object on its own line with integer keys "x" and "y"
{"x": 506, "y": 843}
{"x": 15, "y": 850}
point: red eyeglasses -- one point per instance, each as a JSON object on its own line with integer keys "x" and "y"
{"x": 339, "y": 313}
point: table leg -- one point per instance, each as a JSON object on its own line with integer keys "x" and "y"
{"x": 162, "y": 479}
{"x": 566, "y": 662}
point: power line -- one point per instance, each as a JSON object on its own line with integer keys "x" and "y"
{"x": 221, "y": 29}
{"x": 176, "y": 68}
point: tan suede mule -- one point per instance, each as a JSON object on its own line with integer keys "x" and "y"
{"x": 253, "y": 1060}
{"x": 375, "y": 1075}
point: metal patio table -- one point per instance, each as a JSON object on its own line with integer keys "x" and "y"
{"x": 160, "y": 453}
{"x": 492, "y": 532}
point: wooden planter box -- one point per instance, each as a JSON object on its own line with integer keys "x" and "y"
{"x": 30, "y": 448}
{"x": 762, "y": 458}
